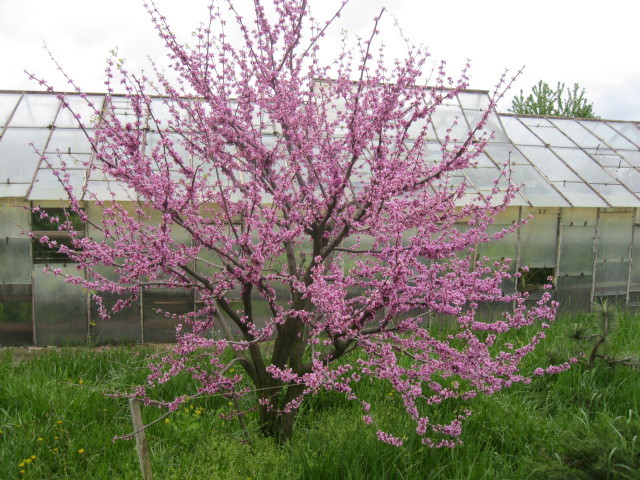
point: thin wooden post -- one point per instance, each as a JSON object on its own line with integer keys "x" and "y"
{"x": 141, "y": 440}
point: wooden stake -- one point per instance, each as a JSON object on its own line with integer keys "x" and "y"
{"x": 141, "y": 440}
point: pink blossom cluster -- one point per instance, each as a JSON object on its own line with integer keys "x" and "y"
{"x": 276, "y": 181}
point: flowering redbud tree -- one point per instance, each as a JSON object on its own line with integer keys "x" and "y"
{"x": 339, "y": 222}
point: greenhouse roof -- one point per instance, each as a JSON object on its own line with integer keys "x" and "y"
{"x": 562, "y": 162}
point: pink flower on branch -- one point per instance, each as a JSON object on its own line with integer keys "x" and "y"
{"x": 300, "y": 205}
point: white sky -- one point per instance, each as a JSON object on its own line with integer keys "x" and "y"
{"x": 593, "y": 42}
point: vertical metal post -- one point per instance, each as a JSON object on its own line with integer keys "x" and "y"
{"x": 144, "y": 457}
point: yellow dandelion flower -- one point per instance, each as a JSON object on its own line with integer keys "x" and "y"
{"x": 81, "y": 450}
{"x": 40, "y": 439}
{"x": 1, "y": 432}
{"x": 186, "y": 409}
{"x": 166, "y": 420}
{"x": 59, "y": 422}
{"x": 55, "y": 449}
{"x": 56, "y": 438}
{"x": 81, "y": 382}
{"x": 230, "y": 403}
{"x": 23, "y": 471}
{"x": 21, "y": 464}
{"x": 33, "y": 457}
{"x": 27, "y": 461}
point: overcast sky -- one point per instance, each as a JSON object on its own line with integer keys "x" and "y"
{"x": 593, "y": 43}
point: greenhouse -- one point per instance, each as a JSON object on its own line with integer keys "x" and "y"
{"x": 581, "y": 185}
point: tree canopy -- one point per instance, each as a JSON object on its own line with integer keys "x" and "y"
{"x": 559, "y": 102}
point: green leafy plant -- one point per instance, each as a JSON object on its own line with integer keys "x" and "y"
{"x": 558, "y": 102}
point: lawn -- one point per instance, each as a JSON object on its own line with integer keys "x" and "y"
{"x": 56, "y": 421}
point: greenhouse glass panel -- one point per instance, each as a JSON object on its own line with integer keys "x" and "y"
{"x": 16, "y": 324}
{"x": 579, "y": 217}
{"x": 76, "y": 161}
{"x": 580, "y": 194}
{"x": 109, "y": 190}
{"x": 502, "y": 153}
{"x": 538, "y": 241}
{"x": 483, "y": 161}
{"x": 444, "y": 118}
{"x": 608, "y": 135}
{"x": 576, "y": 250}
{"x": 539, "y": 192}
{"x": 474, "y": 101}
{"x": 518, "y": 133}
{"x": 550, "y": 135}
{"x": 70, "y": 140}
{"x": 36, "y": 111}
{"x": 13, "y": 218}
{"x": 482, "y": 178}
{"x": 631, "y": 156}
{"x": 617, "y": 195}
{"x": 47, "y": 186}
{"x": 157, "y": 327}
{"x": 493, "y": 125}
{"x": 15, "y": 264}
{"x": 7, "y": 104}
{"x": 60, "y": 309}
{"x": 549, "y": 164}
{"x": 611, "y": 278}
{"x": 614, "y": 236}
{"x": 576, "y": 132}
{"x": 583, "y": 165}
{"x": 415, "y": 129}
{"x": 574, "y": 293}
{"x": 18, "y": 160}
{"x": 80, "y": 106}
{"x": 628, "y": 176}
{"x": 124, "y": 326}
{"x": 607, "y": 158}
{"x": 14, "y": 189}
{"x": 629, "y": 130}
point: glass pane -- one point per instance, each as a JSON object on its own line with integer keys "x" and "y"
{"x": 579, "y": 194}
{"x": 7, "y": 104}
{"x": 628, "y": 176}
{"x": 17, "y": 190}
{"x": 549, "y": 164}
{"x": 628, "y": 129}
{"x": 518, "y": 133}
{"x": 607, "y": 158}
{"x": 75, "y": 161}
{"x": 16, "y": 325}
{"x": 482, "y": 178}
{"x": 36, "y": 110}
{"x": 617, "y": 195}
{"x": 60, "y": 309}
{"x": 13, "y": 219}
{"x": 536, "y": 189}
{"x": 538, "y": 241}
{"x": 577, "y": 133}
{"x": 608, "y": 135}
{"x": 505, "y": 152}
{"x": 18, "y": 159}
{"x": 611, "y": 278}
{"x": 631, "y": 156}
{"x": 88, "y": 115}
{"x": 574, "y": 293}
{"x": 583, "y": 165}
{"x": 108, "y": 190}
{"x": 443, "y": 119}
{"x": 493, "y": 125}
{"x": 614, "y": 236}
{"x": 576, "y": 249}
{"x": 550, "y": 135}
{"x": 124, "y": 326}
{"x": 69, "y": 140}
{"x": 157, "y": 326}
{"x": 474, "y": 100}
{"x": 15, "y": 260}
{"x": 48, "y": 187}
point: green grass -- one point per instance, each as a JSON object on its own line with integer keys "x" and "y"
{"x": 581, "y": 424}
